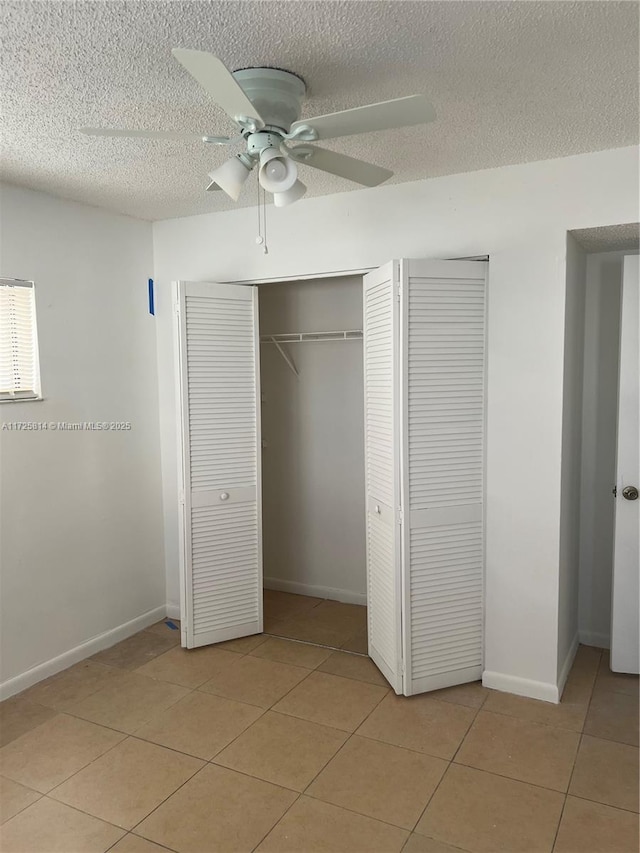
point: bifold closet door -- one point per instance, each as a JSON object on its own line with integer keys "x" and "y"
{"x": 219, "y": 421}
{"x": 443, "y": 378}
{"x": 382, "y": 472}
{"x": 424, "y": 362}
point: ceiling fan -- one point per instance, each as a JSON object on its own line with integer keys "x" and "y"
{"x": 266, "y": 103}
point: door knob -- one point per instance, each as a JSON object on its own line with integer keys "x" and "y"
{"x": 630, "y": 493}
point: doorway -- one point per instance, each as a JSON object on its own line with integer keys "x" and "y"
{"x": 313, "y": 482}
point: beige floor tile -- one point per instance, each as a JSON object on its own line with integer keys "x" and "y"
{"x": 201, "y": 724}
{"x": 280, "y": 605}
{"x": 587, "y": 659}
{"x": 607, "y": 772}
{"x": 357, "y": 643}
{"x": 163, "y": 630}
{"x": 376, "y": 779}
{"x": 18, "y": 716}
{"x": 217, "y": 810}
{"x": 319, "y": 632}
{"x": 132, "y": 843}
{"x": 291, "y": 652}
{"x": 14, "y": 798}
{"x": 473, "y": 694}
{"x": 567, "y": 715}
{"x": 422, "y": 844}
{"x": 350, "y": 616}
{"x": 613, "y": 716}
{"x": 316, "y": 827}
{"x": 588, "y": 827}
{"x": 616, "y": 682}
{"x": 49, "y": 754}
{"x": 128, "y": 703}
{"x": 419, "y": 723}
{"x": 253, "y": 680}
{"x": 243, "y": 645}
{"x": 332, "y": 701}
{"x": 50, "y": 827}
{"x": 72, "y": 685}
{"x": 187, "y": 667}
{"x": 483, "y": 813}
{"x": 353, "y": 666}
{"x": 541, "y": 755}
{"x": 135, "y": 651}
{"x": 283, "y": 750}
{"x": 127, "y": 783}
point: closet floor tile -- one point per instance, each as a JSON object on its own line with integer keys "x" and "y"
{"x": 14, "y": 798}
{"x": 284, "y": 750}
{"x": 617, "y": 682}
{"x": 162, "y": 629}
{"x": 243, "y": 645}
{"x": 72, "y": 685}
{"x": 353, "y": 666}
{"x": 135, "y": 844}
{"x": 613, "y": 716}
{"x": 218, "y": 809}
{"x": 187, "y": 667}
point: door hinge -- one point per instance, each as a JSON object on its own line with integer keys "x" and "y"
{"x": 400, "y": 516}
{"x": 181, "y": 498}
{"x": 614, "y": 491}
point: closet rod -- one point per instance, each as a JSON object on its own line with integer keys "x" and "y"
{"x": 306, "y": 337}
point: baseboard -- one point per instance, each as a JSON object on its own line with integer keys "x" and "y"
{"x": 591, "y": 638}
{"x": 173, "y": 611}
{"x": 544, "y": 690}
{"x": 50, "y": 667}
{"x": 566, "y": 666}
{"x": 343, "y": 595}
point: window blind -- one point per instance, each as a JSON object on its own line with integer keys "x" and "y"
{"x": 19, "y": 368}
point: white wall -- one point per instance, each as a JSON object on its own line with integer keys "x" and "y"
{"x": 313, "y": 463}
{"x": 600, "y": 408}
{"x": 576, "y": 266}
{"x": 82, "y": 542}
{"x": 519, "y": 215}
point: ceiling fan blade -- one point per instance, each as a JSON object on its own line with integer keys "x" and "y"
{"x": 218, "y": 81}
{"x": 401, "y": 112}
{"x": 155, "y": 134}
{"x": 341, "y": 165}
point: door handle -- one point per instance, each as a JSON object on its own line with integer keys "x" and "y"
{"x": 630, "y": 493}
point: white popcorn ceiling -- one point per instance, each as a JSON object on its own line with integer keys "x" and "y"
{"x": 511, "y": 81}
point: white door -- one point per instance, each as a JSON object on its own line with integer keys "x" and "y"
{"x": 626, "y": 560}
{"x": 424, "y": 362}
{"x": 443, "y": 340}
{"x": 219, "y": 439}
{"x": 382, "y": 470}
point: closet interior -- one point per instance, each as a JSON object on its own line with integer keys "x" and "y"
{"x": 313, "y": 470}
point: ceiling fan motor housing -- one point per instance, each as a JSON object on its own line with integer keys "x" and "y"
{"x": 277, "y": 95}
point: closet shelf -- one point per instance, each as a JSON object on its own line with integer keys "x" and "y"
{"x": 305, "y": 337}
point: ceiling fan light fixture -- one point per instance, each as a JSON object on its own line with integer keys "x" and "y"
{"x": 231, "y": 176}
{"x": 289, "y": 196}
{"x": 278, "y": 173}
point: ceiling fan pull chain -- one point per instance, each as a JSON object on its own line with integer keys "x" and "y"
{"x": 264, "y": 218}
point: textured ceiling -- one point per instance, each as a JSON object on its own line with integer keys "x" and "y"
{"x": 511, "y": 82}
{"x": 609, "y": 238}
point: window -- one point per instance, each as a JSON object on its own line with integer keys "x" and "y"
{"x": 19, "y": 364}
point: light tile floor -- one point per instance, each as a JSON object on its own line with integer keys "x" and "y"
{"x": 269, "y": 744}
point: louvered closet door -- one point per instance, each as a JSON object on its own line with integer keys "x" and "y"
{"x": 381, "y": 327}
{"x": 443, "y": 308}
{"x": 221, "y": 553}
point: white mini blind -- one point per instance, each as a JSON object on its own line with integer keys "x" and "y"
{"x": 19, "y": 367}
